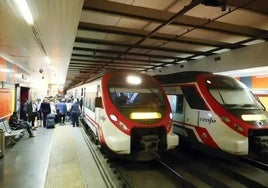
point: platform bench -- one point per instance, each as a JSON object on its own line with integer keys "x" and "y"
{"x": 10, "y": 133}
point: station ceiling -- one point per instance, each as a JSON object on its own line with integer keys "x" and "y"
{"x": 84, "y": 38}
{"x": 143, "y": 35}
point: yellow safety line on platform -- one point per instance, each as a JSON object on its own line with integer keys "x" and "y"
{"x": 64, "y": 168}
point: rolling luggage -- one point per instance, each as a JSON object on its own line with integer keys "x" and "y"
{"x": 50, "y": 121}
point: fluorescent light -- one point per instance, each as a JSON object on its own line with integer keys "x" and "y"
{"x": 6, "y": 70}
{"x": 222, "y": 50}
{"x": 182, "y": 61}
{"x": 24, "y": 8}
{"x": 168, "y": 65}
{"x": 198, "y": 57}
{"x": 257, "y": 71}
{"x": 48, "y": 60}
{"x": 254, "y": 42}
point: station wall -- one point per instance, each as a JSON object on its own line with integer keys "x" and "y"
{"x": 259, "y": 86}
{"x": 10, "y": 75}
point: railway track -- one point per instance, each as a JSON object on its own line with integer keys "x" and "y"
{"x": 184, "y": 168}
{"x": 256, "y": 162}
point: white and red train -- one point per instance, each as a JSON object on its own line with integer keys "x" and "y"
{"x": 216, "y": 111}
{"x": 128, "y": 113}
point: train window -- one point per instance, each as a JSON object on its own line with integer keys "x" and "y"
{"x": 223, "y": 83}
{"x": 176, "y": 103}
{"x": 98, "y": 102}
{"x": 142, "y": 97}
{"x": 231, "y": 93}
{"x": 89, "y": 100}
{"x": 193, "y": 98}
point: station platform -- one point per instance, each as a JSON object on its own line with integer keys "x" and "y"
{"x": 56, "y": 157}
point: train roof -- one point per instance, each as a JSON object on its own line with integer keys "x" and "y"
{"x": 179, "y": 77}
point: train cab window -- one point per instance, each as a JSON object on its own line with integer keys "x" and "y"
{"x": 231, "y": 94}
{"x": 176, "y": 103}
{"x": 193, "y": 98}
{"x": 125, "y": 93}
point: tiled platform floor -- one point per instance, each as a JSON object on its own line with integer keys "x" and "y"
{"x": 54, "y": 158}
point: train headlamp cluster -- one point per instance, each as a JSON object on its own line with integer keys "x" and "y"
{"x": 145, "y": 115}
{"x": 236, "y": 126}
{"x": 115, "y": 119}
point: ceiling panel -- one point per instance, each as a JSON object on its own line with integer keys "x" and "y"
{"x": 85, "y": 37}
{"x": 162, "y": 33}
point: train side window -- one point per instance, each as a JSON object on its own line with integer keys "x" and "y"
{"x": 193, "y": 98}
{"x": 98, "y": 102}
{"x": 176, "y": 103}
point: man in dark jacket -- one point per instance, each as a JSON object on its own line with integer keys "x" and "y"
{"x": 62, "y": 107}
{"x": 45, "y": 110}
{"x": 75, "y": 112}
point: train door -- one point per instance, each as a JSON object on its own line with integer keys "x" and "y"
{"x": 97, "y": 102}
{"x": 177, "y": 104}
{"x": 23, "y": 93}
{"x": 194, "y": 104}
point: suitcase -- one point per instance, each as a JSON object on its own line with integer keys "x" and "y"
{"x": 50, "y": 121}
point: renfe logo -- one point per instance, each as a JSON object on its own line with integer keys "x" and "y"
{"x": 207, "y": 120}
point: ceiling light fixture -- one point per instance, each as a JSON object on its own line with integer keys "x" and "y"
{"x": 24, "y": 8}
{"x": 198, "y": 57}
{"x": 48, "y": 60}
{"x": 222, "y": 50}
{"x": 254, "y": 42}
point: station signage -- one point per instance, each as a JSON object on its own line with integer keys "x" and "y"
{"x": 7, "y": 85}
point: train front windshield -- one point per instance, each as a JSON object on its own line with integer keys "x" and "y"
{"x": 236, "y": 98}
{"x": 231, "y": 93}
{"x": 136, "y": 93}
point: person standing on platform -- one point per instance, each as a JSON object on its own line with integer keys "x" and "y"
{"x": 16, "y": 123}
{"x": 62, "y": 107}
{"x": 75, "y": 112}
{"x": 24, "y": 111}
{"x": 29, "y": 111}
{"x": 32, "y": 112}
{"x": 45, "y": 110}
{"x": 39, "y": 114}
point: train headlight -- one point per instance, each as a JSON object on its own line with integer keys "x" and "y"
{"x": 145, "y": 115}
{"x": 113, "y": 117}
{"x": 238, "y": 127}
{"x": 122, "y": 125}
{"x": 253, "y": 117}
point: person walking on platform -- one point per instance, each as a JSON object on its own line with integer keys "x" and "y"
{"x": 62, "y": 107}
{"x": 16, "y": 123}
{"x": 75, "y": 112}
{"x": 45, "y": 110}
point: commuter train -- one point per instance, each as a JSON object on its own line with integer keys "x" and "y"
{"x": 216, "y": 111}
{"x": 128, "y": 114}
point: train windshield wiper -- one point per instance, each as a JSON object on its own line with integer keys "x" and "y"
{"x": 242, "y": 106}
{"x": 223, "y": 102}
